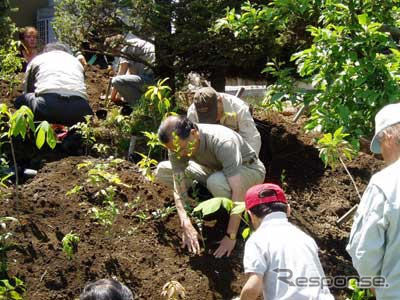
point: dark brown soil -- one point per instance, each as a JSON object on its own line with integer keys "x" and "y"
{"x": 146, "y": 254}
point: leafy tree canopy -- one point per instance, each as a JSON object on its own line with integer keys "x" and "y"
{"x": 180, "y": 31}
{"x": 352, "y": 63}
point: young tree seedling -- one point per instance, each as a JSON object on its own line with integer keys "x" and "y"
{"x": 20, "y": 123}
{"x": 70, "y": 244}
{"x": 333, "y": 149}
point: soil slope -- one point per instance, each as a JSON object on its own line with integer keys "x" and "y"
{"x": 145, "y": 254}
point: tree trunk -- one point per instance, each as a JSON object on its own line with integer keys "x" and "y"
{"x": 164, "y": 58}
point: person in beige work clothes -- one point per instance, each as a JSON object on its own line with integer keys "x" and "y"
{"x": 215, "y": 156}
{"x": 219, "y": 108}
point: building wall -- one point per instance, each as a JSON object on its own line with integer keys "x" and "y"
{"x": 27, "y": 9}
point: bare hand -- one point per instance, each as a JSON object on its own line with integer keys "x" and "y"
{"x": 226, "y": 245}
{"x": 190, "y": 236}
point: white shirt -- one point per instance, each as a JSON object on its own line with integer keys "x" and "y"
{"x": 279, "y": 249}
{"x": 236, "y": 117}
{"x": 55, "y": 72}
{"x": 374, "y": 243}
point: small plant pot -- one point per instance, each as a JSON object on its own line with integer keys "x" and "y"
{"x": 101, "y": 114}
{"x": 126, "y": 110}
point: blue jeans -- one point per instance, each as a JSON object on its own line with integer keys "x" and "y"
{"x": 131, "y": 87}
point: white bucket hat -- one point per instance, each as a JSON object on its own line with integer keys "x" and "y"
{"x": 389, "y": 115}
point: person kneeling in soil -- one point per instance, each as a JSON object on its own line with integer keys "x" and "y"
{"x": 216, "y": 157}
{"x": 219, "y": 108}
{"x": 374, "y": 240}
{"x": 277, "y": 254}
{"x": 54, "y": 87}
{"x": 106, "y": 289}
{"x": 132, "y": 75}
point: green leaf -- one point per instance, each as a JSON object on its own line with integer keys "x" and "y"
{"x": 238, "y": 208}
{"x": 19, "y": 127}
{"x": 51, "y": 138}
{"x": 211, "y": 206}
{"x": 246, "y": 233}
{"x": 353, "y": 284}
{"x": 40, "y": 137}
{"x": 363, "y": 19}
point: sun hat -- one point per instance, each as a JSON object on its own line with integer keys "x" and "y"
{"x": 264, "y": 193}
{"x": 205, "y": 101}
{"x": 389, "y": 115}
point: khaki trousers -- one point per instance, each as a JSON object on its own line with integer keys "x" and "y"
{"x": 215, "y": 181}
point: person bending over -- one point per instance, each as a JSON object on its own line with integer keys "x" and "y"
{"x": 54, "y": 87}
{"x": 215, "y": 156}
{"x": 133, "y": 74}
{"x": 219, "y": 108}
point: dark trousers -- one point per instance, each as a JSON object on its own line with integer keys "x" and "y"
{"x": 54, "y": 108}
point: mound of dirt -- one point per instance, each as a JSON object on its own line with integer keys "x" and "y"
{"x": 143, "y": 248}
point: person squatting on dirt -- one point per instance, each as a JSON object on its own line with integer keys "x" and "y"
{"x": 54, "y": 87}
{"x": 219, "y": 108}
{"x": 374, "y": 241}
{"x": 216, "y": 157}
{"x": 277, "y": 249}
{"x": 28, "y": 48}
{"x": 106, "y": 289}
{"x": 132, "y": 75}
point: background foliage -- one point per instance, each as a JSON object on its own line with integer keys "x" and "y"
{"x": 352, "y": 62}
{"x": 181, "y": 33}
{"x": 9, "y": 62}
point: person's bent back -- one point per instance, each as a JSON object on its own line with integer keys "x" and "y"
{"x": 106, "y": 289}
{"x": 54, "y": 87}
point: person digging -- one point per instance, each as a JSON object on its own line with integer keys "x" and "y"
{"x": 215, "y": 156}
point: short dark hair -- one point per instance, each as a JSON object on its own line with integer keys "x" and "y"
{"x": 181, "y": 125}
{"x": 56, "y": 46}
{"x": 263, "y": 209}
{"x": 106, "y": 289}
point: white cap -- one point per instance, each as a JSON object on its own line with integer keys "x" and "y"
{"x": 389, "y": 115}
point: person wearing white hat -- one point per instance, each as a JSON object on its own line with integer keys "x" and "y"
{"x": 374, "y": 241}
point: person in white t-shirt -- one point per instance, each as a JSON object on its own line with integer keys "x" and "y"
{"x": 54, "y": 87}
{"x": 281, "y": 260}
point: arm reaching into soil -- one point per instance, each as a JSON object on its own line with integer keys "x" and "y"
{"x": 252, "y": 288}
{"x": 189, "y": 235}
{"x": 227, "y": 244}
